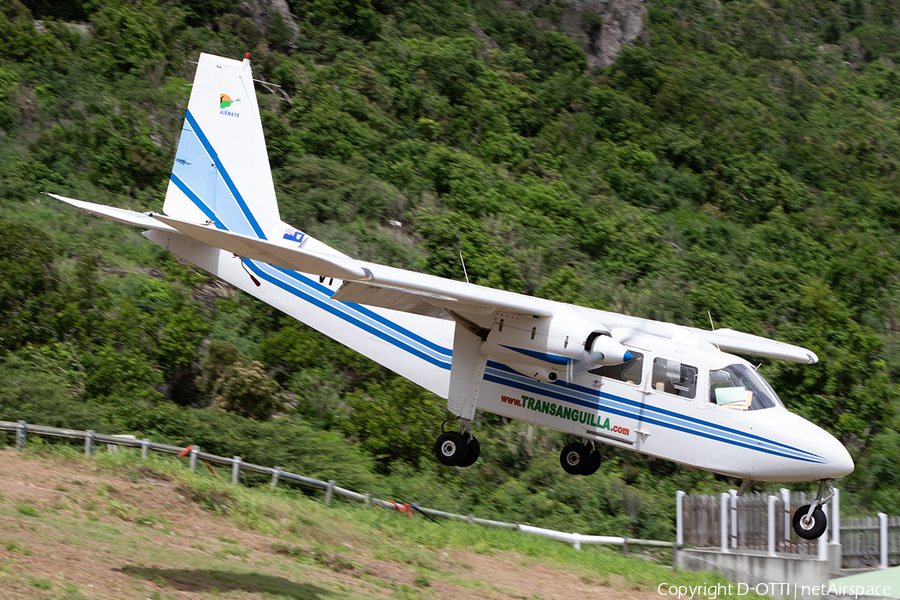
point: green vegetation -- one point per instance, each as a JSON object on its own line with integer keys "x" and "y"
{"x": 741, "y": 161}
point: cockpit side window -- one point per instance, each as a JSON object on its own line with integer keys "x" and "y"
{"x": 629, "y": 372}
{"x": 740, "y": 388}
{"x": 673, "y": 377}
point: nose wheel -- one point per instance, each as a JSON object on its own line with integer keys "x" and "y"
{"x": 810, "y": 521}
{"x": 810, "y": 524}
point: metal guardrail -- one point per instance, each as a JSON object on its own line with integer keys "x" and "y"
{"x": 329, "y": 487}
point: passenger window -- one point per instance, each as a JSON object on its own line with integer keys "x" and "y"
{"x": 672, "y": 377}
{"x": 629, "y": 372}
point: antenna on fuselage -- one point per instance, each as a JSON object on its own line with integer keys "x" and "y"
{"x": 464, "y": 266}
{"x": 713, "y": 329}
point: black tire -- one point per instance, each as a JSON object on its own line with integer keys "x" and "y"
{"x": 573, "y": 458}
{"x": 814, "y": 528}
{"x": 592, "y": 464}
{"x": 472, "y": 453}
{"x": 450, "y": 448}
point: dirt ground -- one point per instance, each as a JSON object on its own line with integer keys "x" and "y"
{"x": 69, "y": 530}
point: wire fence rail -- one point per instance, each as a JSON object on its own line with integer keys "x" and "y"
{"x": 331, "y": 489}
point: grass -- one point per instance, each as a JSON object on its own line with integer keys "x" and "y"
{"x": 26, "y": 509}
{"x": 342, "y": 538}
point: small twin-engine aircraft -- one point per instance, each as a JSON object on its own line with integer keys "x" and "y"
{"x": 656, "y": 388}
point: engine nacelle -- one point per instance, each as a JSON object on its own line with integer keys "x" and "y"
{"x": 601, "y": 350}
{"x": 566, "y": 342}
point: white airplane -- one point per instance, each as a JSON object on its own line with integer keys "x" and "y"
{"x": 656, "y": 388}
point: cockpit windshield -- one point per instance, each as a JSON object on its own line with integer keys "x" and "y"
{"x": 740, "y": 387}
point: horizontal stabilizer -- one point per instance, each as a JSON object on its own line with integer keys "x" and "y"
{"x": 121, "y": 215}
{"x": 729, "y": 340}
{"x": 296, "y": 259}
{"x": 364, "y": 283}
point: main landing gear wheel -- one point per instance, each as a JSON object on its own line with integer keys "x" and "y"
{"x": 593, "y": 462}
{"x": 574, "y": 458}
{"x": 451, "y": 448}
{"x": 472, "y": 452}
{"x": 809, "y": 527}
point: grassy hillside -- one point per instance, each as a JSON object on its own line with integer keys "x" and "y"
{"x": 738, "y": 159}
{"x": 119, "y": 527}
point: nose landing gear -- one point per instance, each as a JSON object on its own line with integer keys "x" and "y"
{"x": 810, "y": 521}
{"x": 457, "y": 449}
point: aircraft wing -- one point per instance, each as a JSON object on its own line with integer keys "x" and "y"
{"x": 369, "y": 283}
{"x": 738, "y": 342}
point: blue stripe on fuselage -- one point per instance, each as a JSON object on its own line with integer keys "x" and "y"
{"x": 503, "y": 375}
{"x": 365, "y": 311}
{"x": 345, "y": 311}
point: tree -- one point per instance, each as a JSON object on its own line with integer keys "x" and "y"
{"x": 28, "y": 286}
{"x": 238, "y": 386}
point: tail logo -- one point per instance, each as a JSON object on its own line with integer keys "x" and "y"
{"x": 225, "y": 102}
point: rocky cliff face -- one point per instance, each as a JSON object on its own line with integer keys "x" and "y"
{"x": 603, "y": 27}
{"x": 261, "y": 12}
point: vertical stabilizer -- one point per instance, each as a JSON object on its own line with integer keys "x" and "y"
{"x": 221, "y": 171}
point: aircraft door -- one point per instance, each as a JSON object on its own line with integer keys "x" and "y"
{"x": 670, "y": 405}
{"x": 621, "y": 396}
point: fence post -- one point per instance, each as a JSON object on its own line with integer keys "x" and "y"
{"x": 723, "y": 522}
{"x": 367, "y": 499}
{"x": 21, "y": 429}
{"x": 823, "y": 540}
{"x": 195, "y": 450}
{"x": 835, "y": 551}
{"x": 577, "y": 542}
{"x": 89, "y": 442}
{"x": 883, "y": 523}
{"x": 276, "y": 476}
{"x": 679, "y": 518}
{"x": 734, "y": 518}
{"x": 836, "y": 517}
{"x": 145, "y": 448}
{"x": 236, "y": 470}
{"x": 786, "y": 499}
{"x": 329, "y": 491}
{"x": 771, "y": 520}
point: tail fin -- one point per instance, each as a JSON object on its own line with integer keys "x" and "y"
{"x": 221, "y": 172}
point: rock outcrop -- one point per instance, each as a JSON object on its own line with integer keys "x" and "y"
{"x": 603, "y": 27}
{"x": 261, "y": 12}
